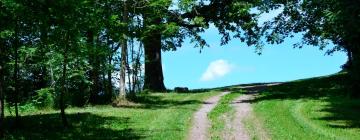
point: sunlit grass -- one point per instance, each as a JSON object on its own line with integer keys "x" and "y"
{"x": 160, "y": 116}
{"x": 313, "y": 109}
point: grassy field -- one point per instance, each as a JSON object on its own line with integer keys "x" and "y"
{"x": 159, "y": 116}
{"x": 311, "y": 109}
{"x": 220, "y": 114}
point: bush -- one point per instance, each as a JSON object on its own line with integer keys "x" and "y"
{"x": 44, "y": 98}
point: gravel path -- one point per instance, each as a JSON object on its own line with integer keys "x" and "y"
{"x": 201, "y": 124}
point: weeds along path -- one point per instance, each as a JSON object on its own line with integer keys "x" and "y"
{"x": 201, "y": 124}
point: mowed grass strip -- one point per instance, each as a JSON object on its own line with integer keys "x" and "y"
{"x": 315, "y": 109}
{"x": 159, "y": 116}
{"x": 222, "y": 112}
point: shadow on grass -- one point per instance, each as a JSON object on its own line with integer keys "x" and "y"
{"x": 247, "y": 88}
{"x": 345, "y": 113}
{"x": 83, "y": 126}
{"x": 329, "y": 89}
{"x": 158, "y": 102}
{"x": 314, "y": 88}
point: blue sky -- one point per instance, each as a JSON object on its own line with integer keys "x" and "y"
{"x": 236, "y": 63}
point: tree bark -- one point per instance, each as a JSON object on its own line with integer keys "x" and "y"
{"x": 124, "y": 54}
{"x": 123, "y": 69}
{"x": 154, "y": 79}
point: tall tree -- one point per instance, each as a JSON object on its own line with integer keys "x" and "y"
{"x": 16, "y": 47}
{"x": 63, "y": 87}
{"x": 165, "y": 28}
{"x": 154, "y": 78}
{"x": 124, "y": 53}
{"x": 66, "y": 39}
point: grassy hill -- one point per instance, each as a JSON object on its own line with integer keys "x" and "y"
{"x": 316, "y": 108}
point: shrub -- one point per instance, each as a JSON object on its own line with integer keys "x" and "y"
{"x": 44, "y": 98}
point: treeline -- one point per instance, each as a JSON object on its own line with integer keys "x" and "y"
{"x": 55, "y": 53}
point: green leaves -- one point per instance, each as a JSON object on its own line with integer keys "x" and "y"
{"x": 170, "y": 29}
{"x": 200, "y": 21}
{"x": 6, "y": 34}
{"x": 186, "y": 5}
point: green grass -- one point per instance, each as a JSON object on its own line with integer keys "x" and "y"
{"x": 311, "y": 109}
{"x": 160, "y": 116}
{"x": 222, "y": 111}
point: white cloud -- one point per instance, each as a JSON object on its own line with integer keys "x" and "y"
{"x": 217, "y": 69}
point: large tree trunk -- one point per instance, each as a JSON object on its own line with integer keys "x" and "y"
{"x": 64, "y": 89}
{"x": 123, "y": 69}
{"x": 124, "y": 55}
{"x": 154, "y": 79}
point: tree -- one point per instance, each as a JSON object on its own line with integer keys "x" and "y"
{"x": 321, "y": 22}
{"x": 16, "y": 71}
{"x": 165, "y": 29}
{"x": 124, "y": 54}
{"x": 65, "y": 40}
{"x": 16, "y": 25}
